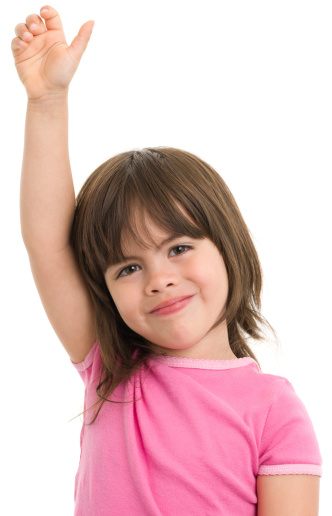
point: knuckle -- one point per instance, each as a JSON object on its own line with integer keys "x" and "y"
{"x": 15, "y": 44}
{"x": 53, "y": 13}
{"x": 18, "y": 28}
{"x": 32, "y": 18}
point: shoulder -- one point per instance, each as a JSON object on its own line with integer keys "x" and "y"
{"x": 288, "y": 444}
{"x": 273, "y": 392}
{"x": 264, "y": 387}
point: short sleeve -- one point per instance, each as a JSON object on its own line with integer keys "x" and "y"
{"x": 289, "y": 444}
{"x": 89, "y": 369}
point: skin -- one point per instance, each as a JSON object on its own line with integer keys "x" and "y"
{"x": 44, "y": 61}
{"x": 45, "y": 64}
{"x": 195, "y": 268}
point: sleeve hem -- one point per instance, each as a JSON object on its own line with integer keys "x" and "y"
{"x": 82, "y": 366}
{"x": 291, "y": 469}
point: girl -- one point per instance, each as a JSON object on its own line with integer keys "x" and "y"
{"x": 152, "y": 284}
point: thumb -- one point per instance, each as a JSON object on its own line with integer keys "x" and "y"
{"x": 80, "y": 42}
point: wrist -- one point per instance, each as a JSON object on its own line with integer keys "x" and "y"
{"x": 49, "y": 103}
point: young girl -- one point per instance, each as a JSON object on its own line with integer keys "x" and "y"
{"x": 152, "y": 284}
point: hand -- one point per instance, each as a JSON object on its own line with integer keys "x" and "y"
{"x": 44, "y": 62}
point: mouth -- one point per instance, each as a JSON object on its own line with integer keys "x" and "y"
{"x": 171, "y": 306}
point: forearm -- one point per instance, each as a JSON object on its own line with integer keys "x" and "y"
{"x": 47, "y": 192}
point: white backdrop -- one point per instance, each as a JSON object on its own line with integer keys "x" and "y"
{"x": 247, "y": 87}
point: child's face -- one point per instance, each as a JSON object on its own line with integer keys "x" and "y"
{"x": 183, "y": 267}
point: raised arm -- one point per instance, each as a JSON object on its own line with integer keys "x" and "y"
{"x": 46, "y": 65}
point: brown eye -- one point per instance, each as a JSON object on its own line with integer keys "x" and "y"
{"x": 127, "y": 271}
{"x": 180, "y": 249}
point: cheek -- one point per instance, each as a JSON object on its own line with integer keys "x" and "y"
{"x": 210, "y": 271}
{"x": 116, "y": 295}
{"x": 216, "y": 279}
{"x": 126, "y": 302}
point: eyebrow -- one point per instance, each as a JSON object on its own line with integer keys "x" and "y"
{"x": 157, "y": 247}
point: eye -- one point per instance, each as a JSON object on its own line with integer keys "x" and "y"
{"x": 126, "y": 271}
{"x": 180, "y": 249}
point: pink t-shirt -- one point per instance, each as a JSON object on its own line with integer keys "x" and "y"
{"x": 195, "y": 441}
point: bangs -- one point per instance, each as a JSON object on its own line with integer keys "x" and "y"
{"x": 179, "y": 193}
{"x": 133, "y": 212}
{"x": 145, "y": 186}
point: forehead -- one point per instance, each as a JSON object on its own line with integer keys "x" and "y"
{"x": 136, "y": 227}
{"x": 147, "y": 234}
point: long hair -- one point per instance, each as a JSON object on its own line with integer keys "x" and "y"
{"x": 183, "y": 195}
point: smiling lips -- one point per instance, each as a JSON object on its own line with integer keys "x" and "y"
{"x": 171, "y": 306}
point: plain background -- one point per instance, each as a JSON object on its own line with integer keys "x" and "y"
{"x": 247, "y": 87}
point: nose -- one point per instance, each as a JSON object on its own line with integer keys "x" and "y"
{"x": 160, "y": 277}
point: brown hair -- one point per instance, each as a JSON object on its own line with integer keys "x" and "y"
{"x": 160, "y": 181}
